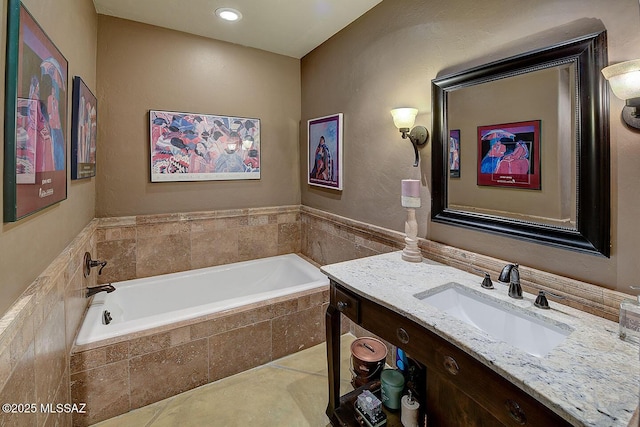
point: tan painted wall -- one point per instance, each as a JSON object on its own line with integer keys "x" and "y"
{"x": 142, "y": 67}
{"x": 29, "y": 245}
{"x": 388, "y": 58}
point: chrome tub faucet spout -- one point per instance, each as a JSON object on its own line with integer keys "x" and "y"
{"x": 102, "y": 288}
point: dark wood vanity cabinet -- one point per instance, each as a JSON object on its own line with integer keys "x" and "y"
{"x": 460, "y": 391}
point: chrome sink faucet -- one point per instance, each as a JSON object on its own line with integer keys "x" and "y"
{"x": 510, "y": 274}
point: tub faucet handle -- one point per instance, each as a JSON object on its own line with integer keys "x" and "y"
{"x": 91, "y": 263}
{"x": 96, "y": 263}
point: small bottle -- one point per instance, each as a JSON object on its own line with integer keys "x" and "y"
{"x": 630, "y": 319}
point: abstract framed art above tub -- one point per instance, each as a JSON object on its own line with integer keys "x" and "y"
{"x": 84, "y": 128}
{"x": 324, "y": 151}
{"x": 203, "y": 147}
{"x": 35, "y": 132}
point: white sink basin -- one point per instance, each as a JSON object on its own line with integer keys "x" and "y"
{"x": 498, "y": 319}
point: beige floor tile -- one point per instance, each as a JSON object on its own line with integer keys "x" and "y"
{"x": 290, "y": 391}
{"x": 138, "y": 418}
{"x": 314, "y": 359}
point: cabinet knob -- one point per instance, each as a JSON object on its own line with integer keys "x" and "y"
{"x": 515, "y": 411}
{"x": 402, "y": 335}
{"x": 451, "y": 365}
{"x": 342, "y": 305}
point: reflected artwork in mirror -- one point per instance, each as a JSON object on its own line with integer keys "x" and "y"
{"x": 559, "y": 93}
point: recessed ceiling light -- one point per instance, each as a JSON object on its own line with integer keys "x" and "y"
{"x": 228, "y": 14}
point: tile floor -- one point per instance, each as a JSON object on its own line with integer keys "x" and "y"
{"x": 291, "y": 392}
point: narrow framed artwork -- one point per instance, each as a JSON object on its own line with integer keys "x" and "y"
{"x": 203, "y": 147}
{"x": 454, "y": 153}
{"x": 324, "y": 151}
{"x": 509, "y": 155}
{"x": 84, "y": 128}
{"x": 35, "y": 130}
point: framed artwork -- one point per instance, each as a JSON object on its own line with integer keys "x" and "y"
{"x": 35, "y": 130}
{"x": 84, "y": 128}
{"x": 509, "y": 155}
{"x": 324, "y": 151}
{"x": 203, "y": 147}
{"x": 454, "y": 153}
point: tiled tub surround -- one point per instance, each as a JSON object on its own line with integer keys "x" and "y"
{"x": 590, "y": 379}
{"x": 150, "y": 245}
{"x": 37, "y": 333}
{"x": 120, "y": 374}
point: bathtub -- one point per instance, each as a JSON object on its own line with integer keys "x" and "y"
{"x": 147, "y": 303}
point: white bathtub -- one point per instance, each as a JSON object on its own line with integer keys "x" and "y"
{"x": 142, "y": 304}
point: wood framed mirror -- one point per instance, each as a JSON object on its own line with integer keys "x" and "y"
{"x": 547, "y": 108}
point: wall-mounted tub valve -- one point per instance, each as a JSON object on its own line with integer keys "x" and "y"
{"x": 89, "y": 263}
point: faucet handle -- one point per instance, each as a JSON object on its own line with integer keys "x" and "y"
{"x": 541, "y": 299}
{"x": 486, "y": 282}
{"x": 95, "y": 263}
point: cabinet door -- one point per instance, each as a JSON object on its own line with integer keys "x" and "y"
{"x": 448, "y": 406}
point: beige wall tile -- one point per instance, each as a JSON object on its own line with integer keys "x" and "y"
{"x": 121, "y": 260}
{"x": 105, "y": 390}
{"x": 258, "y": 242}
{"x": 62, "y": 396}
{"x": 20, "y": 388}
{"x": 168, "y": 372}
{"x": 233, "y": 321}
{"x": 5, "y": 363}
{"x": 149, "y": 344}
{"x": 289, "y": 238}
{"x": 214, "y": 247}
{"x": 163, "y": 253}
{"x": 75, "y": 304}
{"x": 239, "y": 350}
{"x": 296, "y": 331}
{"x": 311, "y": 300}
{"x": 91, "y": 359}
{"x": 120, "y": 233}
{"x": 179, "y": 336}
{"x": 50, "y": 355}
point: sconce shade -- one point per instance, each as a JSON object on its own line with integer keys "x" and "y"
{"x": 624, "y": 79}
{"x": 404, "y": 118}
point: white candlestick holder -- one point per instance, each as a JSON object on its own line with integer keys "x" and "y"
{"x": 411, "y": 252}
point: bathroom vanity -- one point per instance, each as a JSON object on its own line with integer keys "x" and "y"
{"x": 580, "y": 373}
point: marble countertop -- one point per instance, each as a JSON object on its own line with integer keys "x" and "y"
{"x": 591, "y": 379}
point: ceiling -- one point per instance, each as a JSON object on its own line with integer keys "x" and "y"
{"x": 287, "y": 27}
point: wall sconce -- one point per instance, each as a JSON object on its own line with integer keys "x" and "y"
{"x": 404, "y": 118}
{"x": 624, "y": 79}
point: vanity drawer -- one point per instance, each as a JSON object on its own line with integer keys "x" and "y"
{"x": 346, "y": 303}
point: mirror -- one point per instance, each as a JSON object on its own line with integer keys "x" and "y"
{"x": 521, "y": 147}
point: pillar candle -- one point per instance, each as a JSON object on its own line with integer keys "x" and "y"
{"x": 411, "y": 193}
